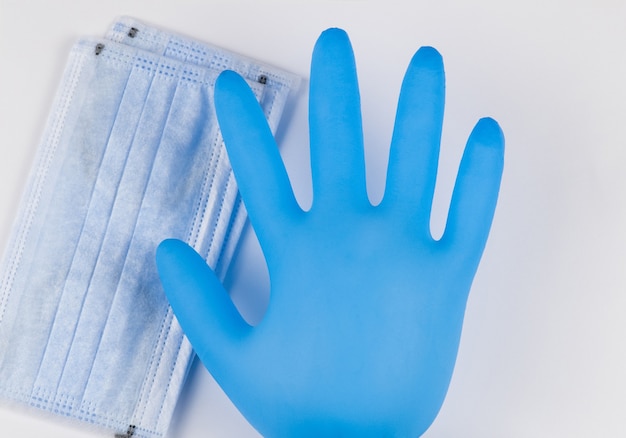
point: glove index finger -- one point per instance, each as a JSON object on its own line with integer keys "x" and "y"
{"x": 258, "y": 167}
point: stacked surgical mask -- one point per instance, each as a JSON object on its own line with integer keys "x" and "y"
{"x": 131, "y": 155}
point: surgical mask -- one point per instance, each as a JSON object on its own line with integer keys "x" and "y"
{"x": 131, "y": 155}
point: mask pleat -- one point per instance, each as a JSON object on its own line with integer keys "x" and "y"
{"x": 114, "y": 253}
{"x": 172, "y": 188}
{"x": 73, "y": 174}
{"x": 94, "y": 228}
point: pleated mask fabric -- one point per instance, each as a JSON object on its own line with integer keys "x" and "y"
{"x": 131, "y": 155}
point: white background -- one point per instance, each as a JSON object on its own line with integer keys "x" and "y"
{"x": 543, "y": 351}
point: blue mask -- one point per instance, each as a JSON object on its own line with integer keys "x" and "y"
{"x": 131, "y": 154}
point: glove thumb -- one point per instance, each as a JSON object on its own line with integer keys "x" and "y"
{"x": 202, "y": 306}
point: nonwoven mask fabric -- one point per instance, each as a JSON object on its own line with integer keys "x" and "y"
{"x": 131, "y": 154}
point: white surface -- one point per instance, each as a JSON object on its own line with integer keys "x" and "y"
{"x": 543, "y": 352}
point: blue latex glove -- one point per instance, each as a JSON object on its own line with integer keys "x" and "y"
{"x": 366, "y": 308}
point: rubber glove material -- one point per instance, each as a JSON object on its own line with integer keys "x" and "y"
{"x": 361, "y": 333}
